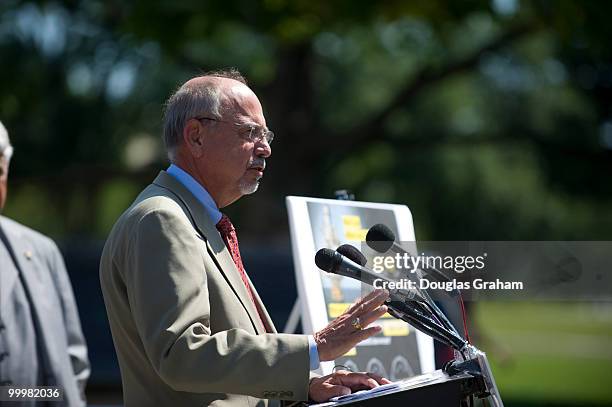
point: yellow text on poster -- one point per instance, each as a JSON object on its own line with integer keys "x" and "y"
{"x": 395, "y": 328}
{"x": 335, "y": 309}
{"x": 352, "y": 228}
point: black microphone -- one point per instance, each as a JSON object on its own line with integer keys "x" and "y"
{"x": 355, "y": 255}
{"x": 402, "y": 305}
{"x": 352, "y": 253}
{"x": 333, "y": 262}
{"x": 382, "y": 239}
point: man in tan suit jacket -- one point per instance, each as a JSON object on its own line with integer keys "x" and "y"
{"x": 188, "y": 326}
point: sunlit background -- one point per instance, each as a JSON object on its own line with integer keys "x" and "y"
{"x": 491, "y": 120}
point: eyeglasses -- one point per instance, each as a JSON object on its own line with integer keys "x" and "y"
{"x": 251, "y": 132}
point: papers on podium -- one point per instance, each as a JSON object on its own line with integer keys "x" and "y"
{"x": 412, "y": 382}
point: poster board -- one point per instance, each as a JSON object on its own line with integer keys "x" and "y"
{"x": 399, "y": 351}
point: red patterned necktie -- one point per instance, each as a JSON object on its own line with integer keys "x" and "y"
{"x": 228, "y": 233}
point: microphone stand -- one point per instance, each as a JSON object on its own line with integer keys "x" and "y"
{"x": 474, "y": 362}
{"x": 436, "y": 310}
{"x": 416, "y": 314}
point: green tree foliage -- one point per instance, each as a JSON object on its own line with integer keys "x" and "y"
{"x": 491, "y": 120}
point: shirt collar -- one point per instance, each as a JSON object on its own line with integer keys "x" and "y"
{"x": 197, "y": 190}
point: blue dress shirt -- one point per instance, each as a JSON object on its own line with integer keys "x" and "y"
{"x": 215, "y": 214}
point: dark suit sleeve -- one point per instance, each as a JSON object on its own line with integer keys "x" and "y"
{"x": 77, "y": 349}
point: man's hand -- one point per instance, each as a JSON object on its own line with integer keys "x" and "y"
{"x": 346, "y": 331}
{"x": 341, "y": 383}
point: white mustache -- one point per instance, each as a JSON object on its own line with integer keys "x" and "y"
{"x": 258, "y": 163}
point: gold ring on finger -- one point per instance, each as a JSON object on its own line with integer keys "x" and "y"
{"x": 357, "y": 324}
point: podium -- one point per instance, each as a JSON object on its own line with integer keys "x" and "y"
{"x": 450, "y": 392}
{"x": 450, "y": 387}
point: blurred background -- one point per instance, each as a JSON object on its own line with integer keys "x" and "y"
{"x": 491, "y": 120}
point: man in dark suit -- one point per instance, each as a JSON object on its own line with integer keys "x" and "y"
{"x": 41, "y": 343}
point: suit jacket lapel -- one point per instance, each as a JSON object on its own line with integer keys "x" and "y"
{"x": 214, "y": 242}
{"x": 263, "y": 311}
{"x": 45, "y": 311}
{"x": 8, "y": 276}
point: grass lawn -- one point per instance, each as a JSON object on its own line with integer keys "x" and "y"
{"x": 548, "y": 352}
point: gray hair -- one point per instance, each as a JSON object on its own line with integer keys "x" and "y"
{"x": 6, "y": 150}
{"x": 193, "y": 100}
